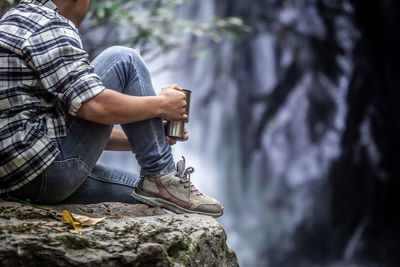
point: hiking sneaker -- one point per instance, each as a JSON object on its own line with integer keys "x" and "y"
{"x": 176, "y": 192}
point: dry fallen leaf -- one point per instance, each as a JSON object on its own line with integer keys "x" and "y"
{"x": 75, "y": 223}
{"x": 84, "y": 220}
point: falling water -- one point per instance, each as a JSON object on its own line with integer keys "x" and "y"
{"x": 277, "y": 186}
{"x": 267, "y": 118}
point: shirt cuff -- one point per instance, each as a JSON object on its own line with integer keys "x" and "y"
{"x": 82, "y": 91}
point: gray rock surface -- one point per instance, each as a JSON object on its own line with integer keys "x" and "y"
{"x": 137, "y": 236}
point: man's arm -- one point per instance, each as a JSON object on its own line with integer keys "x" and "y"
{"x": 111, "y": 107}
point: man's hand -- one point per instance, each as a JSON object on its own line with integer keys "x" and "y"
{"x": 174, "y": 103}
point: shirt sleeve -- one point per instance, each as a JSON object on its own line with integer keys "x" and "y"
{"x": 56, "y": 55}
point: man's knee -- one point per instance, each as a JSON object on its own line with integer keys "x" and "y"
{"x": 122, "y": 53}
{"x": 124, "y": 63}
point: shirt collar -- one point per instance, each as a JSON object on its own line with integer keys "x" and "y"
{"x": 46, "y": 3}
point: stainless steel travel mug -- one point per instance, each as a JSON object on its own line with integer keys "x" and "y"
{"x": 176, "y": 129}
{"x": 187, "y": 94}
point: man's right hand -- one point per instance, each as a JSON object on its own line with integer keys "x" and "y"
{"x": 173, "y": 103}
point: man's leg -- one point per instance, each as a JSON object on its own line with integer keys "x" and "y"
{"x": 161, "y": 185}
{"x": 105, "y": 184}
{"x": 122, "y": 69}
{"x": 74, "y": 173}
{"x": 79, "y": 151}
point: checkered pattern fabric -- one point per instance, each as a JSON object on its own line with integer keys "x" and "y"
{"x": 44, "y": 74}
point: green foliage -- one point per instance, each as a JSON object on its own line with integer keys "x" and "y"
{"x": 150, "y": 24}
{"x": 104, "y": 10}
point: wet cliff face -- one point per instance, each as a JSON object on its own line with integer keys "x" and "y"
{"x": 302, "y": 124}
{"x": 365, "y": 179}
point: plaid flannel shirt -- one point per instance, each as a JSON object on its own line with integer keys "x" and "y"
{"x": 44, "y": 74}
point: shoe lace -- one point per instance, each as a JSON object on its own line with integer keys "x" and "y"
{"x": 185, "y": 179}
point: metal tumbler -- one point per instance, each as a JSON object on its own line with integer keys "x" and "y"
{"x": 176, "y": 129}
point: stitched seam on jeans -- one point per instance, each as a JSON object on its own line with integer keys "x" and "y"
{"x": 76, "y": 160}
{"x": 111, "y": 181}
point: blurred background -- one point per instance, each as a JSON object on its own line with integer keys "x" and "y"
{"x": 294, "y": 121}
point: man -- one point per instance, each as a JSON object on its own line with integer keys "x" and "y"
{"x": 57, "y": 112}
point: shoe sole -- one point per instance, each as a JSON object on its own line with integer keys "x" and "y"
{"x": 159, "y": 202}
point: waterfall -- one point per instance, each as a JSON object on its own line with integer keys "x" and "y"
{"x": 267, "y": 118}
{"x": 273, "y": 186}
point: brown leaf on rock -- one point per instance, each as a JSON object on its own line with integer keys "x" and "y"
{"x": 87, "y": 221}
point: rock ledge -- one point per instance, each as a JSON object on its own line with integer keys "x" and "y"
{"x": 138, "y": 236}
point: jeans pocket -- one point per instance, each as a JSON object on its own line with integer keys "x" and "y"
{"x": 62, "y": 179}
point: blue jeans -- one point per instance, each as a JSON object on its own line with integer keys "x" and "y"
{"x": 74, "y": 177}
